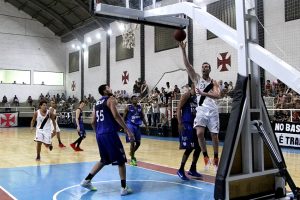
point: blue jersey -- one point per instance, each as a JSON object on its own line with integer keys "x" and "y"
{"x": 105, "y": 121}
{"x": 189, "y": 110}
{"x": 80, "y": 118}
{"x": 134, "y": 115}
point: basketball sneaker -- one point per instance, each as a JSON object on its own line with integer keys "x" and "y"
{"x": 206, "y": 163}
{"x": 38, "y": 158}
{"x": 133, "y": 162}
{"x": 182, "y": 175}
{"x": 78, "y": 149}
{"x": 73, "y": 146}
{"x": 50, "y": 147}
{"x": 125, "y": 191}
{"x": 61, "y": 145}
{"x": 88, "y": 185}
{"x": 194, "y": 174}
{"x": 216, "y": 163}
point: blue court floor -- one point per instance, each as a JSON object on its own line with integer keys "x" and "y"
{"x": 61, "y": 182}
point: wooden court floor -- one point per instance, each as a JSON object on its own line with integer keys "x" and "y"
{"x": 19, "y": 150}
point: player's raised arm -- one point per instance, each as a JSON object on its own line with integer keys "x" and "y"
{"x": 189, "y": 68}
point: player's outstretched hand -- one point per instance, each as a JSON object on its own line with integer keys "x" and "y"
{"x": 182, "y": 44}
{"x": 130, "y": 135}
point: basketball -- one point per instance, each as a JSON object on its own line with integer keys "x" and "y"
{"x": 179, "y": 35}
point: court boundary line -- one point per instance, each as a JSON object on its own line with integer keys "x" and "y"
{"x": 78, "y": 185}
{"x": 8, "y": 193}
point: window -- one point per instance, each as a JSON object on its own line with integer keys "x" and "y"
{"x": 164, "y": 39}
{"x": 224, "y": 11}
{"x": 48, "y": 78}
{"x": 292, "y": 10}
{"x": 121, "y": 52}
{"x": 14, "y": 76}
{"x": 94, "y": 55}
{"x": 74, "y": 62}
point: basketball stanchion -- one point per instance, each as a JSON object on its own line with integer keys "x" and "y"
{"x": 277, "y": 159}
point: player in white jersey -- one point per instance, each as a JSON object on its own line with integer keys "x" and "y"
{"x": 207, "y": 111}
{"x": 57, "y": 133}
{"x": 43, "y": 135}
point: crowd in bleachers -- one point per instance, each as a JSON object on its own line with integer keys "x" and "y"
{"x": 157, "y": 102}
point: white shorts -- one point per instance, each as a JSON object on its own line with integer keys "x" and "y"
{"x": 43, "y": 136}
{"x": 207, "y": 117}
{"x": 57, "y": 127}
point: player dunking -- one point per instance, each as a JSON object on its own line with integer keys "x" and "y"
{"x": 186, "y": 112}
{"x": 43, "y": 135}
{"x": 57, "y": 133}
{"x": 207, "y": 109}
{"x": 134, "y": 116}
{"x": 105, "y": 122}
{"x": 80, "y": 127}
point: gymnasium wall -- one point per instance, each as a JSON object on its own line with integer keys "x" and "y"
{"x": 281, "y": 38}
{"x": 25, "y": 44}
{"x": 284, "y": 36}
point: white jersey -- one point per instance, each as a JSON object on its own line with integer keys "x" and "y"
{"x": 39, "y": 120}
{"x": 43, "y": 134}
{"x": 205, "y": 101}
{"x": 207, "y": 114}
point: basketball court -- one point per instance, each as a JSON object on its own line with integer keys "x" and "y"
{"x": 58, "y": 174}
{"x": 252, "y": 164}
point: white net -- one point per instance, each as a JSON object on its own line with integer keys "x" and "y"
{"x": 129, "y": 36}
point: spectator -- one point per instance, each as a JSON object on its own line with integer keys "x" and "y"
{"x": 4, "y": 100}
{"x": 63, "y": 97}
{"x": 29, "y": 100}
{"x": 268, "y": 87}
{"x": 168, "y": 92}
{"x": 176, "y": 92}
{"x": 144, "y": 89}
{"x": 149, "y": 112}
{"x": 41, "y": 97}
{"x": 136, "y": 88}
{"x": 16, "y": 101}
{"x": 221, "y": 86}
{"x": 163, "y": 128}
{"x": 156, "y": 112}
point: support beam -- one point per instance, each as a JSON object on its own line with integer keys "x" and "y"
{"x": 57, "y": 17}
{"x": 100, "y": 22}
{"x": 21, "y": 7}
{"x": 138, "y": 16}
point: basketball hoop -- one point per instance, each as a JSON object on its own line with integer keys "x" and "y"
{"x": 129, "y": 36}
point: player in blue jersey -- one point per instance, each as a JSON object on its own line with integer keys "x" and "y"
{"x": 80, "y": 127}
{"x": 106, "y": 121}
{"x": 186, "y": 113}
{"x": 134, "y": 116}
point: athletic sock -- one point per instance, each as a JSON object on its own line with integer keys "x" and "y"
{"x": 89, "y": 177}
{"x": 193, "y": 167}
{"x": 182, "y": 166}
{"x": 123, "y": 183}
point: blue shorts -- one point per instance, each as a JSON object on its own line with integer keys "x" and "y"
{"x": 135, "y": 129}
{"x": 81, "y": 133}
{"x": 188, "y": 138}
{"x": 111, "y": 149}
